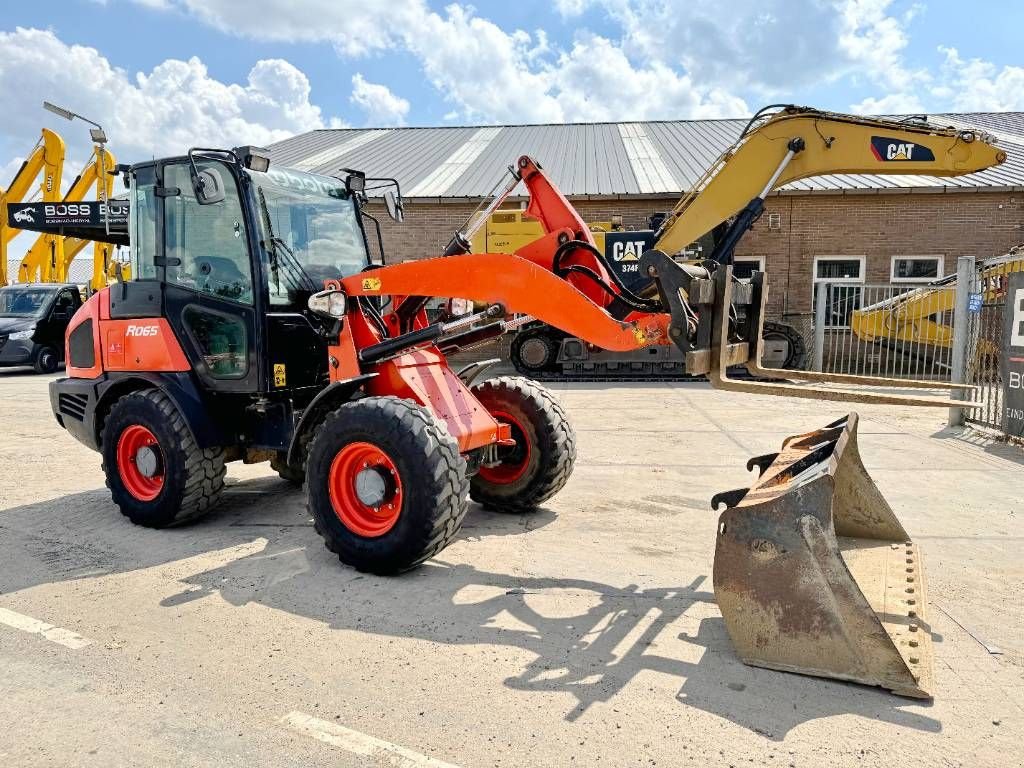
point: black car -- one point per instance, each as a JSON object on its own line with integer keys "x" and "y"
{"x": 33, "y": 319}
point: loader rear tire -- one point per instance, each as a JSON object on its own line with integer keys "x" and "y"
{"x": 157, "y": 475}
{"x": 541, "y": 462}
{"x": 385, "y": 484}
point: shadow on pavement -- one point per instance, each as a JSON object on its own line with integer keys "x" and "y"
{"x": 587, "y": 639}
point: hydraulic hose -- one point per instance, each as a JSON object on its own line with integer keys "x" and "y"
{"x": 625, "y": 295}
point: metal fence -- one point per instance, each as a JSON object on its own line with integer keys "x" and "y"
{"x": 985, "y": 338}
{"x": 896, "y": 331}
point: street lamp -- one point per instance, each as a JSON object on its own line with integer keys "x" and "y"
{"x": 95, "y": 133}
{"x": 99, "y": 138}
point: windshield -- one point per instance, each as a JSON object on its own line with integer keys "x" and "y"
{"x": 24, "y": 302}
{"x": 316, "y": 226}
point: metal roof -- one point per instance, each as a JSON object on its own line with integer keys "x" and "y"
{"x": 599, "y": 159}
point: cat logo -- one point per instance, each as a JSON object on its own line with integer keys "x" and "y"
{"x": 888, "y": 150}
{"x": 371, "y": 283}
{"x": 627, "y": 250}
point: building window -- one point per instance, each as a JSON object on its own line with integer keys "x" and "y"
{"x": 845, "y": 276}
{"x": 916, "y": 269}
{"x": 744, "y": 267}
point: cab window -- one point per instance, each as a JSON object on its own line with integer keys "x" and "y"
{"x": 142, "y": 225}
{"x": 206, "y": 245}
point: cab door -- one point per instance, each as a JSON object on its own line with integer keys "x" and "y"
{"x": 209, "y": 290}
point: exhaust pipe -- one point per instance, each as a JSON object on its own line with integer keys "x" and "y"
{"x": 814, "y": 574}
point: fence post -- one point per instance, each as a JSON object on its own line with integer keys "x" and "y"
{"x": 961, "y": 319}
{"x": 820, "y": 309}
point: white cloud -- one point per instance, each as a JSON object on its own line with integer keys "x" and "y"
{"x": 165, "y": 111}
{"x": 959, "y": 85}
{"x": 487, "y": 73}
{"x": 382, "y": 107}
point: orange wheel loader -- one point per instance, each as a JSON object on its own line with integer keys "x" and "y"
{"x": 256, "y": 328}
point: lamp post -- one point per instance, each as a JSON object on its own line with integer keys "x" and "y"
{"x": 99, "y": 138}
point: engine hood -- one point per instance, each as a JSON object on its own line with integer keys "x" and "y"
{"x": 15, "y": 324}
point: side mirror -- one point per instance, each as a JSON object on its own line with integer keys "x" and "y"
{"x": 394, "y": 203}
{"x": 208, "y": 186}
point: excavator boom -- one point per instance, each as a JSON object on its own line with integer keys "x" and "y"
{"x": 794, "y": 143}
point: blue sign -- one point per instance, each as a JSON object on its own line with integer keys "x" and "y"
{"x": 975, "y": 303}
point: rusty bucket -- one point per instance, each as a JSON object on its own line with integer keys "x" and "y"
{"x": 814, "y": 574}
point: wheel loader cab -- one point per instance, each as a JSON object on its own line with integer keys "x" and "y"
{"x": 234, "y": 274}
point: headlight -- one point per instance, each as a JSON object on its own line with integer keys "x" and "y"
{"x": 330, "y": 303}
{"x": 459, "y": 307}
{"x": 20, "y": 335}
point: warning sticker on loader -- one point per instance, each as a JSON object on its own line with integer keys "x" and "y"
{"x": 280, "y": 379}
{"x": 1013, "y": 357}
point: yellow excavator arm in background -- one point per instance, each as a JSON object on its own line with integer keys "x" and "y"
{"x": 918, "y": 317}
{"x": 47, "y": 159}
{"x": 795, "y": 143}
{"x": 50, "y": 257}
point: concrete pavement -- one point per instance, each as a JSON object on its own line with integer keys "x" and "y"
{"x": 584, "y": 634}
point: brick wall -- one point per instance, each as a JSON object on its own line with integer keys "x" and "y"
{"x": 877, "y": 226}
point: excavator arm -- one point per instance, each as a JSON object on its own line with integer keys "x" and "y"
{"x": 50, "y": 256}
{"x": 777, "y": 148}
{"x": 47, "y": 159}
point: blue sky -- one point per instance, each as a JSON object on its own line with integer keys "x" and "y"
{"x": 163, "y": 74}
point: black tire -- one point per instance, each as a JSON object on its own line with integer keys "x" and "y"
{"x": 430, "y": 471}
{"x": 193, "y": 477}
{"x": 292, "y": 474}
{"x": 539, "y": 419}
{"x": 540, "y": 354}
{"x": 796, "y": 360}
{"x": 47, "y": 360}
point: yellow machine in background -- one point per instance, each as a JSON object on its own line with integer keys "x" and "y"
{"x": 507, "y": 230}
{"x": 49, "y": 258}
{"x": 46, "y": 160}
{"x": 917, "y": 318}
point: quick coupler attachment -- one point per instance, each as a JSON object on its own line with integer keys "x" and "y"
{"x": 814, "y": 574}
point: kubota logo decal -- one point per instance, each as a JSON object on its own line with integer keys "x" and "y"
{"x": 142, "y": 330}
{"x": 894, "y": 150}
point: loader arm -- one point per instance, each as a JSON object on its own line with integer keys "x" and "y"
{"x": 716, "y": 322}
{"x": 798, "y": 142}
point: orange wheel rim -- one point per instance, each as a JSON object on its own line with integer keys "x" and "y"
{"x": 514, "y": 461}
{"x": 365, "y": 489}
{"x": 140, "y": 463}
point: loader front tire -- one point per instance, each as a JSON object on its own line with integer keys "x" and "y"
{"x": 385, "y": 484}
{"x": 540, "y": 463}
{"x": 156, "y": 473}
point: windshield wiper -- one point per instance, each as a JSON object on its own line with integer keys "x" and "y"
{"x": 276, "y": 242}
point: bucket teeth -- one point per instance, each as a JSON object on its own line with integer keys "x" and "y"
{"x": 811, "y": 569}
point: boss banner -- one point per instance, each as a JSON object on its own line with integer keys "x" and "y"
{"x": 1013, "y": 357}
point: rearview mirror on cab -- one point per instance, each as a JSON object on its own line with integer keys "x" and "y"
{"x": 394, "y": 203}
{"x": 208, "y": 186}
